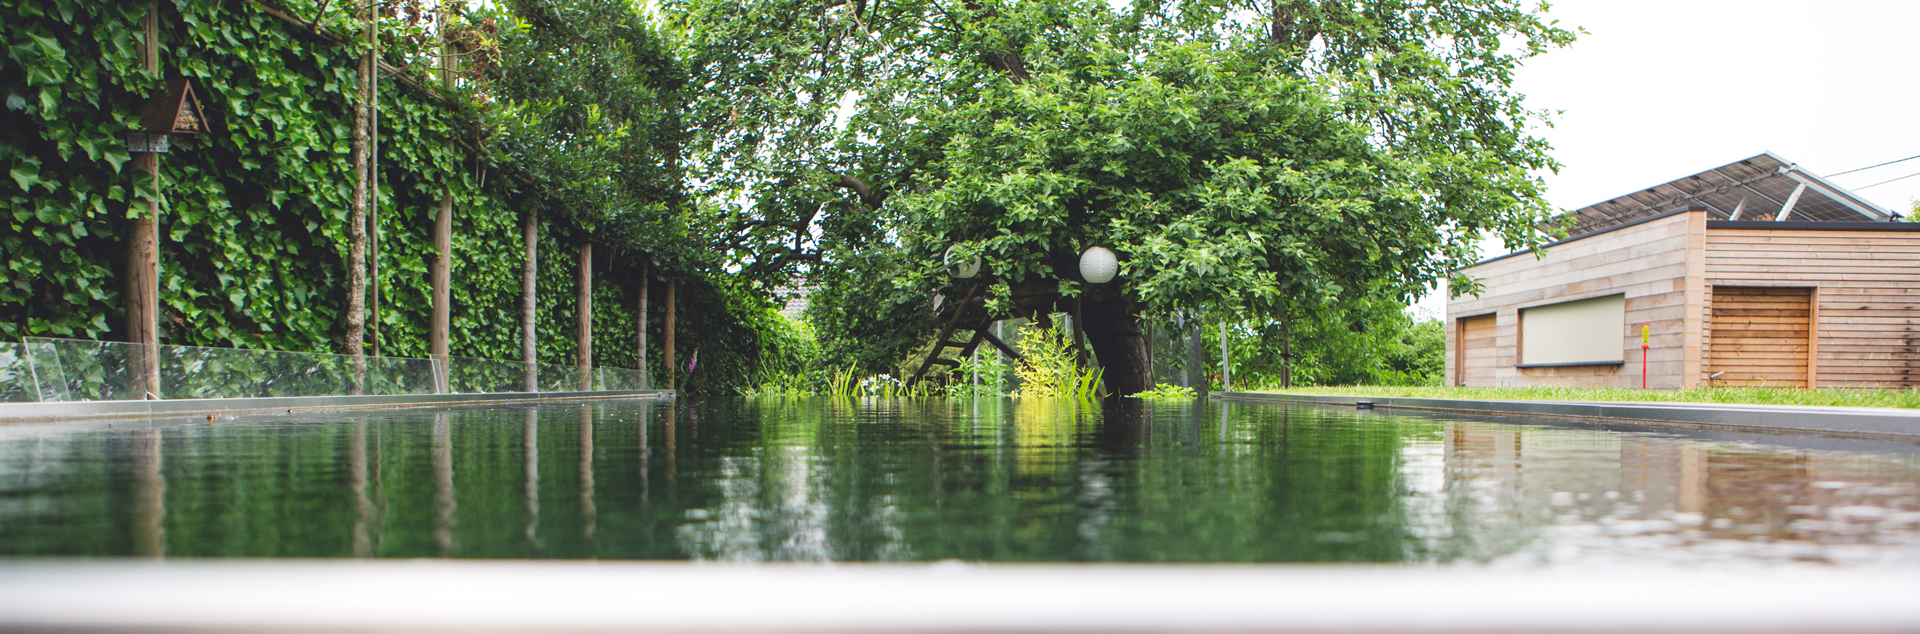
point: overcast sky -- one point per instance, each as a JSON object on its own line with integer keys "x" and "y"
{"x": 1655, "y": 91}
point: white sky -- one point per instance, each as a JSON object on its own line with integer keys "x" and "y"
{"x": 1658, "y": 90}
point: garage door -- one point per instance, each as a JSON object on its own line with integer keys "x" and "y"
{"x": 1475, "y": 360}
{"x": 1758, "y": 336}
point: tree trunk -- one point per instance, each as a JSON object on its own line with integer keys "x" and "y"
{"x": 143, "y": 246}
{"x": 1114, "y": 331}
{"x": 143, "y": 282}
{"x": 357, "y": 224}
{"x": 442, "y": 277}
{"x": 646, "y": 381}
{"x": 440, "y": 337}
{"x": 1286, "y": 353}
{"x": 529, "y": 268}
{"x": 1196, "y": 372}
{"x": 584, "y": 355}
{"x": 673, "y": 374}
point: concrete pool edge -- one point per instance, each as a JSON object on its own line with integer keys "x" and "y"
{"x": 93, "y": 410}
{"x": 517, "y": 595}
{"x": 1866, "y": 421}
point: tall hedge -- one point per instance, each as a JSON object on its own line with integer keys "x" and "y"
{"x": 253, "y": 220}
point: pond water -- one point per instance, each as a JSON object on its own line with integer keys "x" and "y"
{"x": 974, "y": 480}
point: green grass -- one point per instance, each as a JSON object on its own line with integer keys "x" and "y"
{"x": 1828, "y": 397}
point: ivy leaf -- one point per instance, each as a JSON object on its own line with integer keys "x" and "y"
{"x": 27, "y": 173}
{"x": 48, "y": 46}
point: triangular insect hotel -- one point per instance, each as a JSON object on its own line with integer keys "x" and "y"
{"x": 176, "y": 111}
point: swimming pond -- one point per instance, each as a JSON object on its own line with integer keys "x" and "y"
{"x": 989, "y": 480}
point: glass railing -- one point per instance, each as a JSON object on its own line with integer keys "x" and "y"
{"x": 16, "y": 375}
{"x": 54, "y": 370}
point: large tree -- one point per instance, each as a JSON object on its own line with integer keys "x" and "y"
{"x": 1240, "y": 155}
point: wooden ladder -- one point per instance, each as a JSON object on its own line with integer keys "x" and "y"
{"x": 964, "y": 317}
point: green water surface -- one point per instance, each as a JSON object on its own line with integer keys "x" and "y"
{"x": 976, "y": 480}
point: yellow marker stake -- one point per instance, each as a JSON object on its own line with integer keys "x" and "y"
{"x": 1645, "y": 329}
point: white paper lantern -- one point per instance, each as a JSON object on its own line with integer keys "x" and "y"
{"x": 1098, "y": 265}
{"x": 963, "y": 272}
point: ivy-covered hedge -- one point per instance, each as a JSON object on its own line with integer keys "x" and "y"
{"x": 253, "y": 235}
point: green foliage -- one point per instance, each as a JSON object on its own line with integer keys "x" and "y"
{"x": 588, "y": 120}
{"x": 1363, "y": 343}
{"x": 571, "y": 110}
{"x": 1167, "y": 392}
{"x": 790, "y": 361}
{"x": 252, "y": 243}
{"x": 1050, "y": 370}
{"x": 983, "y": 375}
{"x": 865, "y": 315}
{"x": 1357, "y": 151}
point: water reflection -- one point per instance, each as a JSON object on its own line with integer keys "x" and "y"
{"x": 992, "y": 480}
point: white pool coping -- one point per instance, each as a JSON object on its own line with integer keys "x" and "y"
{"x": 527, "y": 596}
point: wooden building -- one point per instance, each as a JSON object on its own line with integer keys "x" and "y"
{"x": 1754, "y": 273}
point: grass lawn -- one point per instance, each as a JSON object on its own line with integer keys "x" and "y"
{"x": 1741, "y": 395}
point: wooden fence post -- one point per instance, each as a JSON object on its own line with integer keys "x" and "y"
{"x": 529, "y": 268}
{"x": 439, "y": 336}
{"x": 646, "y": 380}
{"x": 143, "y": 245}
{"x": 584, "y": 356}
{"x": 673, "y": 373}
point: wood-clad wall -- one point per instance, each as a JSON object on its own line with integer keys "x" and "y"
{"x": 1866, "y": 295}
{"x": 1655, "y": 263}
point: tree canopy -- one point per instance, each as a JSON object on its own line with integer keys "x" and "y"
{"x": 1245, "y": 156}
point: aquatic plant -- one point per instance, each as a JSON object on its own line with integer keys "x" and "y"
{"x": 1050, "y": 369}
{"x": 1168, "y": 392}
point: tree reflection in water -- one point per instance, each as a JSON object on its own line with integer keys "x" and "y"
{"x": 982, "y": 480}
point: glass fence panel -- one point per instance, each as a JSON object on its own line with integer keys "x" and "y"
{"x": 47, "y": 369}
{"x": 559, "y": 378}
{"x": 399, "y": 375}
{"x": 77, "y": 370}
{"x": 471, "y": 375}
{"x": 16, "y": 375}
{"x": 196, "y": 372}
{"x": 617, "y": 379}
{"x": 48, "y": 377}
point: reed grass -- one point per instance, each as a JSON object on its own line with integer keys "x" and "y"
{"x": 1825, "y": 397}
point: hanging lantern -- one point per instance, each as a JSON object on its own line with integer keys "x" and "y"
{"x": 1098, "y": 265}
{"x": 967, "y": 271}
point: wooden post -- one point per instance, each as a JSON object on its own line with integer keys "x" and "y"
{"x": 438, "y": 336}
{"x": 584, "y": 355}
{"x": 373, "y": 172}
{"x": 529, "y": 268}
{"x": 442, "y": 277}
{"x": 1226, "y": 364}
{"x": 143, "y": 245}
{"x": 357, "y": 215}
{"x": 673, "y": 374}
{"x": 646, "y": 380}
{"x": 143, "y": 282}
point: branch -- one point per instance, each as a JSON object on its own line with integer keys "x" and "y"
{"x": 867, "y": 196}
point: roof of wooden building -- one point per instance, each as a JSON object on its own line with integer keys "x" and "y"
{"x": 1758, "y": 188}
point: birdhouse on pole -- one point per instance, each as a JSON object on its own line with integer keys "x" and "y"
{"x": 175, "y": 111}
